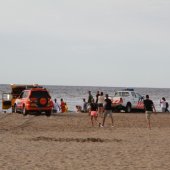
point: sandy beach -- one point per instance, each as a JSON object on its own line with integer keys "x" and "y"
{"x": 67, "y": 141}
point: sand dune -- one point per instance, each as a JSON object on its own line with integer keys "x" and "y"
{"x": 67, "y": 141}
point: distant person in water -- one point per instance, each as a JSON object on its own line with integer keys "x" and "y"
{"x": 149, "y": 109}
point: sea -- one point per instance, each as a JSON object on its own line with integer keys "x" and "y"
{"x": 73, "y": 95}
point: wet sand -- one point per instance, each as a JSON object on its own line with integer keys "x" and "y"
{"x": 67, "y": 141}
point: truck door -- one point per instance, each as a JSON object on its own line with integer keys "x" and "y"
{"x": 134, "y": 100}
{"x": 6, "y": 100}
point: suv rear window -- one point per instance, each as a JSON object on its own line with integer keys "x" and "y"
{"x": 39, "y": 94}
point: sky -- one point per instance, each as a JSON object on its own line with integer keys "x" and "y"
{"x": 116, "y": 43}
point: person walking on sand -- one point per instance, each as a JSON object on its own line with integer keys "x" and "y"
{"x": 149, "y": 108}
{"x": 108, "y": 110}
{"x": 93, "y": 113}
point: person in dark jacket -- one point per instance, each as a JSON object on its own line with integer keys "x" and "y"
{"x": 108, "y": 110}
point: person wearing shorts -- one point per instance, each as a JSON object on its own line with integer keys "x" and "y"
{"x": 108, "y": 110}
{"x": 100, "y": 104}
{"x": 149, "y": 108}
{"x": 93, "y": 113}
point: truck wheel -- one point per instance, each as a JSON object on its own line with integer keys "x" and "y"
{"x": 128, "y": 108}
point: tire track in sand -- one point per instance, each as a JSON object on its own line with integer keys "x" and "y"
{"x": 12, "y": 122}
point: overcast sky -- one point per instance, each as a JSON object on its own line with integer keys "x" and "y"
{"x": 89, "y": 42}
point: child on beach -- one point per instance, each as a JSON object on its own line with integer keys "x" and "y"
{"x": 93, "y": 113}
{"x": 78, "y": 109}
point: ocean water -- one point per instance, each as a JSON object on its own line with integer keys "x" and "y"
{"x": 73, "y": 95}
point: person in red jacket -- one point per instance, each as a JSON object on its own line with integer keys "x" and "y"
{"x": 63, "y": 106}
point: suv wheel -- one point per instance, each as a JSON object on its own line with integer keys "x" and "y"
{"x": 24, "y": 111}
{"x": 128, "y": 108}
{"x": 15, "y": 109}
{"x": 48, "y": 113}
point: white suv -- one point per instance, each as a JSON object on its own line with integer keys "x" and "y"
{"x": 127, "y": 100}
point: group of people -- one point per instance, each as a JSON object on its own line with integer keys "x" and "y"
{"x": 100, "y": 106}
{"x": 59, "y": 107}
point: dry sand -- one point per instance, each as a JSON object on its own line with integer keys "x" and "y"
{"x": 68, "y": 142}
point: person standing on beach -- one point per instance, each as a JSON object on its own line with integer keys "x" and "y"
{"x": 90, "y": 98}
{"x": 167, "y": 106}
{"x": 97, "y": 96}
{"x": 100, "y": 104}
{"x": 84, "y": 105}
{"x": 89, "y": 101}
{"x": 149, "y": 108}
{"x": 108, "y": 110}
{"x": 56, "y": 107}
{"x": 93, "y": 113}
{"x": 63, "y": 106}
{"x": 163, "y": 104}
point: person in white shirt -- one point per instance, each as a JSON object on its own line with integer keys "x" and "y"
{"x": 163, "y": 104}
{"x": 84, "y": 105}
{"x": 101, "y": 101}
{"x": 56, "y": 107}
